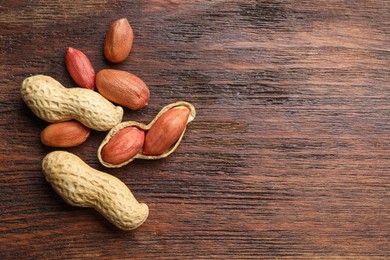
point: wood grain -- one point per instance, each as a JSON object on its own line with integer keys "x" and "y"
{"x": 288, "y": 157}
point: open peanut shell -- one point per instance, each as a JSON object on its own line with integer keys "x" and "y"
{"x": 145, "y": 128}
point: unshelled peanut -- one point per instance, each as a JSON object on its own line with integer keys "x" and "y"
{"x": 80, "y": 185}
{"x": 52, "y": 102}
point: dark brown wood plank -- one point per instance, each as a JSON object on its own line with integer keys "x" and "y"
{"x": 288, "y": 157}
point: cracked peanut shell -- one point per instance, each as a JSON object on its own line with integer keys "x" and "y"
{"x": 140, "y": 154}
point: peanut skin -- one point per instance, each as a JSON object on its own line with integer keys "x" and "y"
{"x": 119, "y": 40}
{"x": 122, "y": 88}
{"x": 80, "y": 68}
{"x": 64, "y": 134}
{"x": 124, "y": 145}
{"x": 52, "y": 102}
{"x": 166, "y": 130}
{"x": 80, "y": 185}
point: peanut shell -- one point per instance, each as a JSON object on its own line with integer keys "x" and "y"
{"x": 80, "y": 185}
{"x": 144, "y": 127}
{"x": 52, "y": 102}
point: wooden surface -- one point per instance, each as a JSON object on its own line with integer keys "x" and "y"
{"x": 288, "y": 157}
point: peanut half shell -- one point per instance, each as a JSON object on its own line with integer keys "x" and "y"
{"x": 140, "y": 154}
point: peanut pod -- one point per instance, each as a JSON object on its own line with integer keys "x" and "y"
{"x": 80, "y": 185}
{"x": 52, "y": 102}
{"x": 111, "y": 135}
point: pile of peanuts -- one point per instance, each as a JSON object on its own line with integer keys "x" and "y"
{"x": 73, "y": 112}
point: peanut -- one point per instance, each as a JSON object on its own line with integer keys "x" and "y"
{"x": 123, "y": 146}
{"x": 169, "y": 130}
{"x": 119, "y": 40}
{"x": 52, "y": 102}
{"x": 80, "y": 68}
{"x": 166, "y": 130}
{"x": 64, "y": 134}
{"x": 80, "y": 185}
{"x": 123, "y": 88}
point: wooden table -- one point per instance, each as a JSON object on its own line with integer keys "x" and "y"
{"x": 288, "y": 157}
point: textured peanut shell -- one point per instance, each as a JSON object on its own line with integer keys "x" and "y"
{"x": 144, "y": 127}
{"x": 52, "y": 102}
{"x": 80, "y": 185}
